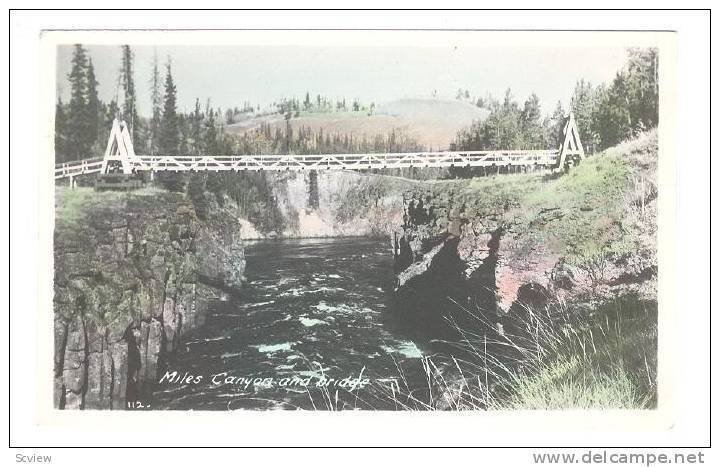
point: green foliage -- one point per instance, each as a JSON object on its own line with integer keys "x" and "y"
{"x": 129, "y": 109}
{"x": 79, "y": 138}
{"x": 156, "y": 99}
{"x": 210, "y": 135}
{"x": 584, "y": 211}
{"x": 507, "y": 127}
{"x": 602, "y": 358}
{"x": 61, "y": 132}
{"x": 553, "y": 358}
{"x": 71, "y": 204}
{"x": 556, "y": 126}
{"x": 595, "y": 217}
{"x": 567, "y": 383}
{"x": 94, "y": 110}
{"x": 252, "y": 194}
{"x": 83, "y": 125}
{"x": 584, "y": 104}
{"x": 304, "y": 140}
{"x": 609, "y": 114}
{"x": 605, "y": 115}
{"x": 169, "y": 141}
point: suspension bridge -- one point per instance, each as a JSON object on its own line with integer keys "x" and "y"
{"x": 120, "y": 158}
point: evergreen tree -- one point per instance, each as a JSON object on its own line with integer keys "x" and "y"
{"x": 642, "y": 87}
{"x": 210, "y": 143}
{"x": 506, "y": 127}
{"x": 531, "y": 124}
{"x": 584, "y": 105}
{"x": 60, "y": 132}
{"x": 196, "y": 130}
{"x": 93, "y": 109}
{"x": 613, "y": 121}
{"x": 157, "y": 106}
{"x": 169, "y": 142}
{"x": 112, "y": 112}
{"x": 78, "y": 121}
{"x": 557, "y": 126}
{"x": 129, "y": 110}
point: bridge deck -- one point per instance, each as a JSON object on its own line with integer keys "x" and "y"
{"x": 298, "y": 162}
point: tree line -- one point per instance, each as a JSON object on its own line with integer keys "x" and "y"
{"x": 606, "y": 114}
{"x": 82, "y": 124}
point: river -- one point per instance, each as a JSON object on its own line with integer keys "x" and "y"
{"x": 313, "y": 329}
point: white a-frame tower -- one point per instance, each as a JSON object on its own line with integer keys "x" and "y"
{"x": 571, "y": 148}
{"x": 119, "y": 153}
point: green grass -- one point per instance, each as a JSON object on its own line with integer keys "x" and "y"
{"x": 71, "y": 205}
{"x": 582, "y": 216}
{"x": 595, "y": 353}
{"x": 553, "y": 360}
{"x": 568, "y": 384}
{"x": 606, "y": 362}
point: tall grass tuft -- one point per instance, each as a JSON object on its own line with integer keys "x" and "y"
{"x": 552, "y": 358}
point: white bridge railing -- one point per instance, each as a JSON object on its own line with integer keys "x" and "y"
{"x": 81, "y": 167}
{"x": 318, "y": 162}
{"x": 120, "y": 157}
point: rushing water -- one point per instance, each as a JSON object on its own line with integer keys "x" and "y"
{"x": 313, "y": 330}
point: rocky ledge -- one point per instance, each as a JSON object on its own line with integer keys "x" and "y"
{"x": 133, "y": 272}
{"x": 490, "y": 243}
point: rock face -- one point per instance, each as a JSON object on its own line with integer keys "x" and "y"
{"x": 492, "y": 246}
{"x": 133, "y": 272}
{"x": 330, "y": 204}
{"x": 445, "y": 259}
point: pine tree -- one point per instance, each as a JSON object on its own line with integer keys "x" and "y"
{"x": 169, "y": 135}
{"x": 129, "y": 98}
{"x": 642, "y": 87}
{"x": 210, "y": 143}
{"x": 169, "y": 142}
{"x": 78, "y": 127}
{"x": 557, "y": 126}
{"x": 531, "y": 125}
{"x": 156, "y": 99}
{"x": 111, "y": 114}
{"x": 613, "y": 120}
{"x": 60, "y": 132}
{"x": 584, "y": 105}
{"x": 93, "y": 108}
{"x": 196, "y": 130}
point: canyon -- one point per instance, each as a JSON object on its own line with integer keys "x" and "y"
{"x": 135, "y": 272}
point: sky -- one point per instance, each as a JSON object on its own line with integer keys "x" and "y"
{"x": 231, "y": 75}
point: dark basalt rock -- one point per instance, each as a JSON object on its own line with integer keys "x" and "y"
{"x": 129, "y": 281}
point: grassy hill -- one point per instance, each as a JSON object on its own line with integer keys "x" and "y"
{"x": 433, "y": 123}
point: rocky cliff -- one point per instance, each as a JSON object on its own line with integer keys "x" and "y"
{"x": 490, "y": 243}
{"x": 316, "y": 203}
{"x": 133, "y": 272}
